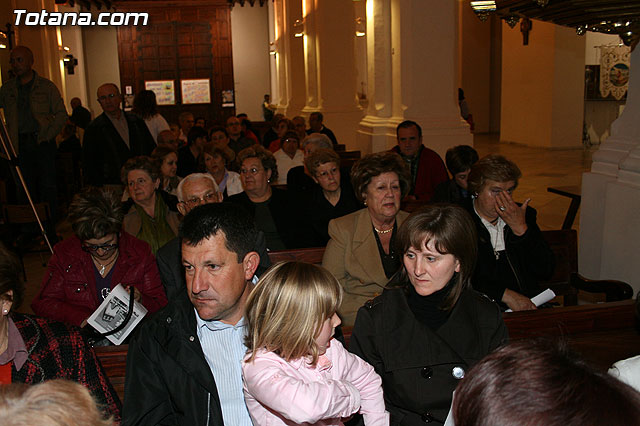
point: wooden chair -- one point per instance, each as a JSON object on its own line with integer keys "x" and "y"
{"x": 17, "y": 218}
{"x": 309, "y": 255}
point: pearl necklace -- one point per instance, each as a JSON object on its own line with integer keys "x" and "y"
{"x": 383, "y": 232}
{"x": 103, "y": 267}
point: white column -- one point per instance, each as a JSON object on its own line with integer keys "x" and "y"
{"x": 609, "y": 218}
{"x": 289, "y": 58}
{"x": 330, "y": 67}
{"x": 413, "y": 66}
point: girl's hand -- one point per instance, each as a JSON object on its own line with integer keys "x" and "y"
{"x": 512, "y": 214}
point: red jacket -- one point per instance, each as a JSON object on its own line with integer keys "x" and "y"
{"x": 68, "y": 291}
{"x": 431, "y": 172}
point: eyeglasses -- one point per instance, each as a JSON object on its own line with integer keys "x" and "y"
{"x": 254, "y": 171}
{"x": 109, "y": 96}
{"x": 209, "y": 197}
{"x": 292, "y": 140}
{"x": 92, "y": 248}
{"x": 324, "y": 175}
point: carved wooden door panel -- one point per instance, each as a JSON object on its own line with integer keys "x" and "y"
{"x": 180, "y": 43}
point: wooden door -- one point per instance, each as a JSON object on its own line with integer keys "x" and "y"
{"x": 183, "y": 40}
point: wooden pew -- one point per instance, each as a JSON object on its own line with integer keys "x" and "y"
{"x": 602, "y": 333}
{"x": 565, "y": 281}
{"x": 114, "y": 362}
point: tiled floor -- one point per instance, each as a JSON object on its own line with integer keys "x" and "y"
{"x": 540, "y": 168}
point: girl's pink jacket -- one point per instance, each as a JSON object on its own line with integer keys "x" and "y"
{"x": 278, "y": 392}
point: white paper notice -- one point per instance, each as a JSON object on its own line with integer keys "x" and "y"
{"x": 543, "y": 297}
{"x": 112, "y": 312}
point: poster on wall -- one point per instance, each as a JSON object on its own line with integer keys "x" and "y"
{"x": 164, "y": 89}
{"x": 614, "y": 70}
{"x": 195, "y": 91}
{"x": 227, "y": 98}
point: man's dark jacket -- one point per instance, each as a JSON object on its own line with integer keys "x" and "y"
{"x": 168, "y": 380}
{"x": 104, "y": 152}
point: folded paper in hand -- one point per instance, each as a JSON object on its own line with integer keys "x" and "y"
{"x": 112, "y": 311}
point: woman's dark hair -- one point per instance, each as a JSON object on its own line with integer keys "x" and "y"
{"x": 215, "y": 129}
{"x": 215, "y": 151}
{"x": 492, "y": 167}
{"x": 160, "y": 152}
{"x": 141, "y": 162}
{"x": 460, "y": 159}
{"x": 10, "y": 271}
{"x": 373, "y": 165}
{"x": 94, "y": 213}
{"x": 320, "y": 157}
{"x": 144, "y": 104}
{"x": 532, "y": 382}
{"x": 195, "y": 133}
{"x": 265, "y": 156}
{"x": 452, "y": 231}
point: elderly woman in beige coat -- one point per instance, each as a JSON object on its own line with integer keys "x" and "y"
{"x": 360, "y": 253}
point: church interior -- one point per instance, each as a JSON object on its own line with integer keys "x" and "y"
{"x": 539, "y": 78}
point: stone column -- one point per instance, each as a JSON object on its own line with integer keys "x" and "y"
{"x": 413, "y": 65}
{"x": 289, "y": 58}
{"x": 330, "y": 66}
{"x": 609, "y": 218}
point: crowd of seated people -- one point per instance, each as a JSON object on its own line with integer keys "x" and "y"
{"x": 202, "y": 208}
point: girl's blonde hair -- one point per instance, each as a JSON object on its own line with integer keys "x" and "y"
{"x": 286, "y": 309}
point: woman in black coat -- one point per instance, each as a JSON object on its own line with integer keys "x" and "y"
{"x": 512, "y": 254}
{"x": 428, "y": 327}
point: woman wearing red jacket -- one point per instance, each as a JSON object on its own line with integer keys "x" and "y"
{"x": 85, "y": 267}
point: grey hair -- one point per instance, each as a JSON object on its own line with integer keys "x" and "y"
{"x": 191, "y": 177}
{"x": 318, "y": 140}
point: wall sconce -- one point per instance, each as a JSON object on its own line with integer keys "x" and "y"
{"x": 360, "y": 29}
{"x": 272, "y": 48}
{"x": 298, "y": 28}
{"x": 4, "y": 42}
{"x": 483, "y": 8}
{"x": 70, "y": 63}
{"x": 6, "y": 37}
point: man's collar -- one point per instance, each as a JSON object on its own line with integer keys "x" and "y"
{"x": 216, "y": 325}
{"x": 120, "y": 114}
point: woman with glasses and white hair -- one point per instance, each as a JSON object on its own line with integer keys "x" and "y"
{"x": 84, "y": 268}
{"x": 270, "y": 207}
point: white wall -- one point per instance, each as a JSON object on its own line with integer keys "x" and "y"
{"x": 75, "y": 84}
{"x": 101, "y": 66}
{"x": 251, "y": 67}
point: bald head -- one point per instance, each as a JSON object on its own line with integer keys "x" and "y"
{"x": 110, "y": 99}
{"x": 75, "y": 102}
{"x": 21, "y": 60}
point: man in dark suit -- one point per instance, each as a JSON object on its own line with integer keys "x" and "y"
{"x": 316, "y": 126}
{"x": 80, "y": 116}
{"x": 184, "y": 363}
{"x": 112, "y": 138}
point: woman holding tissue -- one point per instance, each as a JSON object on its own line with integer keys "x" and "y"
{"x": 84, "y": 268}
{"x": 512, "y": 254}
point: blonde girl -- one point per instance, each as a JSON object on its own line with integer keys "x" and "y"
{"x": 294, "y": 370}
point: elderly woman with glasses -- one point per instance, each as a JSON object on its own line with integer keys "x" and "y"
{"x": 84, "y": 268}
{"x": 271, "y": 208}
{"x": 332, "y": 196}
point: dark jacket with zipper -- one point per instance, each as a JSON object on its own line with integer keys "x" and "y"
{"x": 421, "y": 367}
{"x": 528, "y": 260}
{"x": 168, "y": 380}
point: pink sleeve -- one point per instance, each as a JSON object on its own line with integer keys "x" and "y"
{"x": 362, "y": 375}
{"x": 270, "y": 384}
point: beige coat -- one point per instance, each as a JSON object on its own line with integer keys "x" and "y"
{"x": 352, "y": 257}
